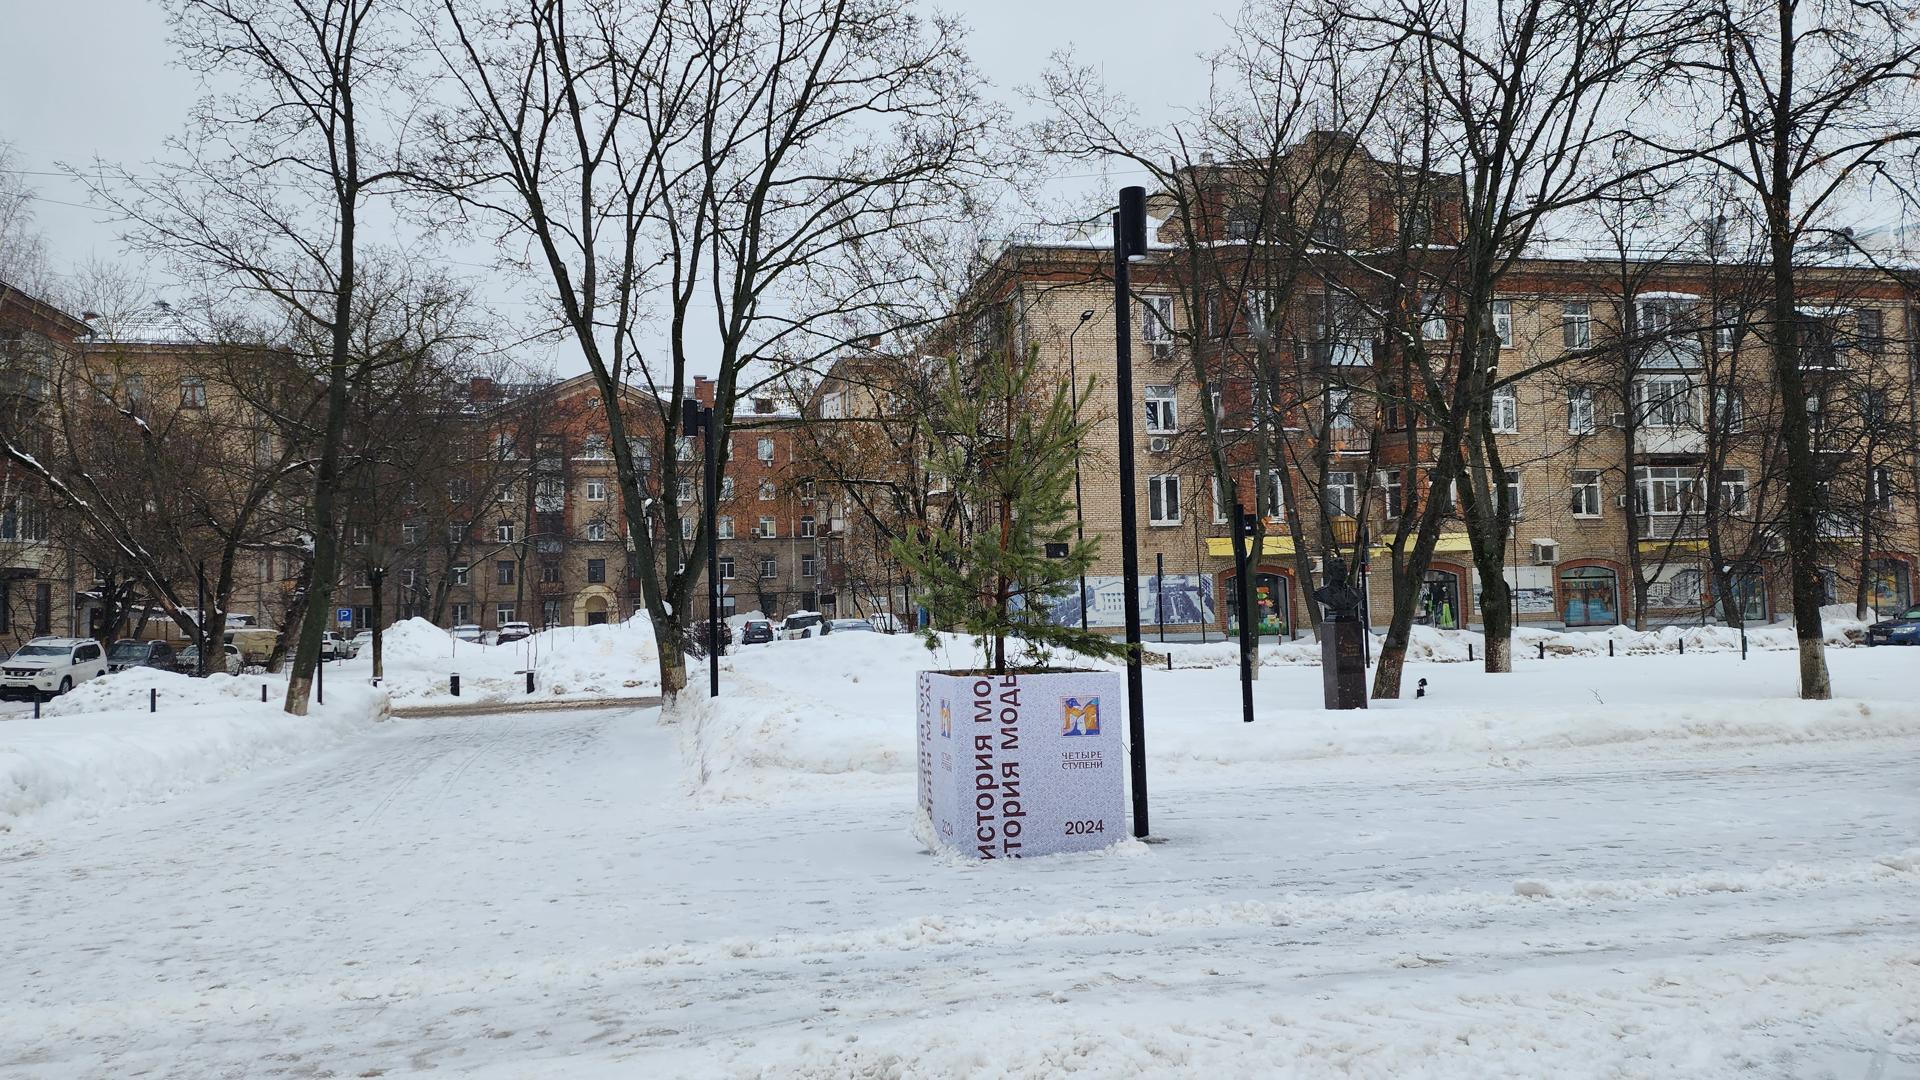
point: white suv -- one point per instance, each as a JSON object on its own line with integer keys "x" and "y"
{"x": 51, "y": 665}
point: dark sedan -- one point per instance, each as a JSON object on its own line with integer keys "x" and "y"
{"x": 129, "y": 653}
{"x": 756, "y": 632}
{"x": 1902, "y": 629}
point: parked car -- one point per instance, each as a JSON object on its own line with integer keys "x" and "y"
{"x": 804, "y": 624}
{"x": 855, "y": 626}
{"x": 756, "y": 632}
{"x": 51, "y": 665}
{"x": 335, "y": 647}
{"x": 255, "y": 644}
{"x": 514, "y": 631}
{"x": 886, "y": 623}
{"x": 362, "y": 640}
{"x": 132, "y": 653}
{"x": 467, "y": 632}
{"x": 190, "y": 659}
{"x": 1902, "y": 629}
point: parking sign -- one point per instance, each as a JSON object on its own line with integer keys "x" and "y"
{"x": 346, "y": 616}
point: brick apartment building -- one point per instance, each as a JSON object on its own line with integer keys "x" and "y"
{"x": 1584, "y": 442}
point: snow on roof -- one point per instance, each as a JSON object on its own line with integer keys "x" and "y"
{"x": 160, "y": 323}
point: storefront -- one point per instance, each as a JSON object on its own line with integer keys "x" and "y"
{"x": 1272, "y": 597}
{"x": 1589, "y": 595}
{"x": 1889, "y": 583}
{"x": 1442, "y": 600}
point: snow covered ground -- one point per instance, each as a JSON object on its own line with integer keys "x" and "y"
{"x": 1648, "y": 866}
{"x": 97, "y": 748}
{"x": 570, "y": 663}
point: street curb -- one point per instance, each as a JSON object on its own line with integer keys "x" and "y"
{"x": 481, "y": 708}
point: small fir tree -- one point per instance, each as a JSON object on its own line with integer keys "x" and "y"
{"x": 1006, "y": 450}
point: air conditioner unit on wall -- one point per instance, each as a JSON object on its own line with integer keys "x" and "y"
{"x": 1545, "y": 552}
{"x": 1159, "y": 444}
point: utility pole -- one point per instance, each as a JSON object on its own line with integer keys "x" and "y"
{"x": 697, "y": 417}
{"x": 1130, "y": 246}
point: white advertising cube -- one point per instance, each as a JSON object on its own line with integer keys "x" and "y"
{"x": 1013, "y": 766}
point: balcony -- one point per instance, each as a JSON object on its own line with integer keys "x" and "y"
{"x": 1332, "y": 354}
{"x": 1659, "y": 440}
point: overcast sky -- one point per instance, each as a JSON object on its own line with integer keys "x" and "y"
{"x": 89, "y": 78}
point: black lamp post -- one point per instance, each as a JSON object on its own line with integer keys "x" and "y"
{"x": 697, "y": 417}
{"x": 1079, "y": 519}
{"x": 1129, "y": 247}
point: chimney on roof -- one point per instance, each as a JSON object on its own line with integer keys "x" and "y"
{"x": 480, "y": 389}
{"x": 703, "y": 390}
{"x": 762, "y": 405}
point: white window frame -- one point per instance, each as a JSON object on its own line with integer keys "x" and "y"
{"x": 1503, "y": 410}
{"x": 1674, "y": 485}
{"x": 806, "y": 527}
{"x": 769, "y": 567}
{"x": 503, "y": 532}
{"x": 1163, "y": 499}
{"x": 1669, "y": 407}
{"x": 1341, "y": 496}
{"x": 764, "y": 448}
{"x": 1517, "y": 497}
{"x": 1339, "y": 409}
{"x": 1576, "y": 324}
{"x": 1219, "y": 504}
{"x": 1162, "y": 404}
{"x": 723, "y": 527}
{"x": 1588, "y": 500}
{"x": 1733, "y": 491}
{"x": 1156, "y": 319}
{"x": 1503, "y": 322}
{"x": 460, "y": 577}
{"x": 596, "y": 530}
{"x": 768, "y": 490}
{"x": 596, "y": 491}
{"x": 768, "y": 529}
{"x": 725, "y": 565}
{"x": 1581, "y": 416}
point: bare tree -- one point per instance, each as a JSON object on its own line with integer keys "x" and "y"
{"x": 1813, "y": 101}
{"x": 722, "y": 167}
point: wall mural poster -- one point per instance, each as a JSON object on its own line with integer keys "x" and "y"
{"x": 1189, "y": 600}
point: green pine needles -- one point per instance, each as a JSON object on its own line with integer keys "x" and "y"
{"x": 1004, "y": 450}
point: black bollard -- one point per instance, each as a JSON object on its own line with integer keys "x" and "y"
{"x": 1543, "y": 650}
{"x": 1683, "y": 645}
{"x": 153, "y": 699}
{"x": 529, "y": 680}
{"x": 1609, "y": 646}
{"x": 36, "y": 704}
{"x": 263, "y": 693}
{"x": 454, "y": 680}
{"x": 1420, "y": 691}
{"x": 1469, "y": 651}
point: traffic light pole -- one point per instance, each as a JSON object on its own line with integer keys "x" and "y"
{"x": 1130, "y": 243}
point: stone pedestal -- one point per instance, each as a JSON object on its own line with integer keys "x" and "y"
{"x": 1013, "y": 766}
{"x": 1343, "y": 663}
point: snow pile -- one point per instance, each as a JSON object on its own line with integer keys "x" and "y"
{"x": 570, "y": 663}
{"x": 97, "y": 748}
{"x": 839, "y": 710}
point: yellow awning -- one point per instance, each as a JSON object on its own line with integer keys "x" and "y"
{"x": 1221, "y": 547}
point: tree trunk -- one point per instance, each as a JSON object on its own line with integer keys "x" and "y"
{"x": 1406, "y": 585}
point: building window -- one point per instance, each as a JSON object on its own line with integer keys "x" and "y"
{"x": 409, "y": 577}
{"x": 503, "y": 532}
{"x": 1879, "y": 487}
{"x": 1163, "y": 500}
{"x": 1272, "y": 495}
{"x": 409, "y": 534}
{"x": 686, "y": 528}
{"x": 1665, "y": 489}
{"x": 1665, "y": 401}
{"x": 764, "y": 449}
{"x": 1576, "y": 324}
{"x": 460, "y": 577}
{"x": 766, "y": 530}
{"x": 1433, "y": 316}
{"x": 723, "y": 528}
{"x": 808, "y": 566}
{"x": 1503, "y": 322}
{"x": 460, "y": 614}
{"x": 1515, "y": 500}
{"x": 503, "y": 571}
{"x": 1504, "y": 410}
{"x": 1729, "y": 410}
{"x": 503, "y": 614}
{"x": 1219, "y": 504}
{"x": 550, "y": 571}
{"x": 1339, "y": 409}
{"x": 1733, "y": 491}
{"x": 1589, "y": 596}
{"x": 596, "y": 530}
{"x": 684, "y": 449}
{"x": 642, "y": 455}
{"x": 596, "y": 571}
{"x": 1342, "y": 494}
{"x": 596, "y": 491}
{"x": 1163, "y": 411}
{"x": 1580, "y": 410}
{"x": 503, "y": 444}
{"x": 1868, "y": 330}
{"x": 457, "y": 490}
{"x": 806, "y": 528}
{"x": 684, "y": 493}
{"x": 1156, "y": 319}
{"x": 1586, "y": 493}
{"x": 193, "y": 392}
{"x": 1668, "y": 325}
{"x": 1390, "y": 485}
{"x": 724, "y": 567}
{"x": 136, "y": 393}
{"x": 767, "y": 491}
{"x": 1329, "y": 229}
{"x": 726, "y": 488}
{"x": 769, "y": 567}
{"x": 594, "y": 447}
